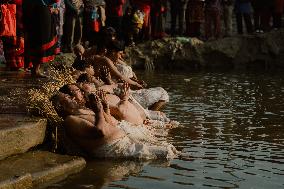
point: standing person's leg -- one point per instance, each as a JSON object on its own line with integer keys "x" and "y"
{"x": 256, "y": 16}
{"x": 239, "y": 18}
{"x": 278, "y": 9}
{"x": 216, "y": 23}
{"x": 277, "y": 20}
{"x": 228, "y": 16}
{"x": 78, "y": 28}
{"x": 181, "y": 17}
{"x": 206, "y": 25}
{"x": 174, "y": 14}
{"x": 265, "y": 19}
{"x": 69, "y": 27}
{"x": 225, "y": 19}
{"x": 248, "y": 22}
{"x": 187, "y": 21}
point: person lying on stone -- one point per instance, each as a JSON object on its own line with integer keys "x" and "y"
{"x": 93, "y": 130}
{"x": 74, "y": 92}
{"x": 101, "y": 139}
{"x": 122, "y": 108}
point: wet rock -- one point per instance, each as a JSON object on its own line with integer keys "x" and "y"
{"x": 19, "y": 133}
{"x": 238, "y": 52}
{"x": 37, "y": 169}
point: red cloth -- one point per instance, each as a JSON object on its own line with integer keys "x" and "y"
{"x": 8, "y": 21}
{"x": 114, "y": 7}
{"x": 14, "y": 52}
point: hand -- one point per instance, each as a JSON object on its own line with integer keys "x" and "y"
{"x": 125, "y": 91}
{"x": 104, "y": 73}
{"x": 102, "y": 94}
{"x": 139, "y": 86}
{"x": 143, "y": 83}
{"x": 95, "y": 102}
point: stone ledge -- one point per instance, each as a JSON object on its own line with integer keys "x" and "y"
{"x": 19, "y": 133}
{"x": 37, "y": 169}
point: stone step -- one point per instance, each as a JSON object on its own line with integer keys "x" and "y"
{"x": 19, "y": 133}
{"x": 37, "y": 169}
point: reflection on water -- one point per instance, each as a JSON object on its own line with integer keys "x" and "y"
{"x": 232, "y": 129}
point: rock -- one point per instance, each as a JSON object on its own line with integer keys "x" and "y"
{"x": 37, "y": 169}
{"x": 19, "y": 133}
{"x": 238, "y": 52}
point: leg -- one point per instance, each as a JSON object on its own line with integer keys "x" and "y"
{"x": 78, "y": 28}
{"x": 69, "y": 26}
{"x": 217, "y": 24}
{"x": 181, "y": 21}
{"x": 228, "y": 14}
{"x": 239, "y": 18}
{"x": 248, "y": 23}
{"x": 256, "y": 19}
{"x": 208, "y": 24}
{"x": 265, "y": 19}
{"x": 187, "y": 22}
{"x": 173, "y": 19}
{"x": 277, "y": 20}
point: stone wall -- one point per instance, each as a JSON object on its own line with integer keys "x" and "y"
{"x": 265, "y": 51}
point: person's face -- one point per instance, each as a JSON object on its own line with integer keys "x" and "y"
{"x": 117, "y": 55}
{"x": 80, "y": 52}
{"x": 90, "y": 70}
{"x": 76, "y": 93}
{"x": 67, "y": 103}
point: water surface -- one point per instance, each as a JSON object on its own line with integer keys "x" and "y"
{"x": 232, "y": 135}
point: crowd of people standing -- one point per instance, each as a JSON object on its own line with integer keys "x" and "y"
{"x": 48, "y": 27}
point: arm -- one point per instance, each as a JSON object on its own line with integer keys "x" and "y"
{"x": 114, "y": 71}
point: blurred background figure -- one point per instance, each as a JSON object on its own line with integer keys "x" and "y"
{"x": 243, "y": 11}
{"x": 73, "y": 24}
{"x": 93, "y": 20}
{"x": 40, "y": 33}
{"x": 177, "y": 8}
{"x": 194, "y": 17}
{"x": 114, "y": 14}
{"x": 212, "y": 19}
{"x": 13, "y": 46}
{"x": 228, "y": 7}
{"x": 158, "y": 18}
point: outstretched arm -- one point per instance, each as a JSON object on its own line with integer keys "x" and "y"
{"x": 115, "y": 72}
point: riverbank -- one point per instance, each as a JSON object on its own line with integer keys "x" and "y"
{"x": 22, "y": 96}
{"x": 258, "y": 51}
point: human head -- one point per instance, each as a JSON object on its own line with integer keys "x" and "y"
{"x": 85, "y": 77}
{"x": 115, "y": 50}
{"x": 63, "y": 104}
{"x": 73, "y": 91}
{"x": 84, "y": 66}
{"x": 79, "y": 50}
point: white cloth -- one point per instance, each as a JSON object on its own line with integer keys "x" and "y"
{"x": 145, "y": 97}
{"x": 138, "y": 143}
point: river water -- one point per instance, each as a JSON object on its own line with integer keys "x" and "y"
{"x": 232, "y": 136}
